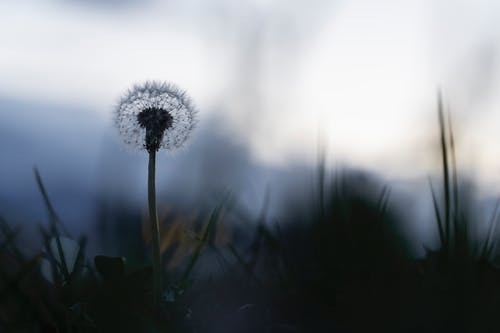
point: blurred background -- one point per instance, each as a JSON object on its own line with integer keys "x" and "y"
{"x": 277, "y": 83}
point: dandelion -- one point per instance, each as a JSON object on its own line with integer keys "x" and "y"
{"x": 155, "y": 115}
{"x": 149, "y": 117}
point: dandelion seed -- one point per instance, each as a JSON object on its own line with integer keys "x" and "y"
{"x": 155, "y": 115}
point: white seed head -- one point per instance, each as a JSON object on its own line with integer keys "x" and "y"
{"x": 155, "y": 115}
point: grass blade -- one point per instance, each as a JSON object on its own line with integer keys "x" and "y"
{"x": 438, "y": 216}
{"x": 53, "y": 219}
{"x": 446, "y": 171}
{"x": 383, "y": 201}
{"x": 210, "y": 228}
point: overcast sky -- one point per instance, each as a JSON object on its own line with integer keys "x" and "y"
{"x": 361, "y": 75}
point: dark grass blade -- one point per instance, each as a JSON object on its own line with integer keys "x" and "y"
{"x": 248, "y": 269}
{"x": 464, "y": 240}
{"x": 209, "y": 229}
{"x": 80, "y": 258}
{"x": 321, "y": 182}
{"x": 454, "y": 209}
{"x": 454, "y": 165}
{"x": 56, "y": 268}
{"x": 339, "y": 188}
{"x": 446, "y": 171}
{"x": 383, "y": 202}
{"x": 53, "y": 219}
{"x": 438, "y": 216}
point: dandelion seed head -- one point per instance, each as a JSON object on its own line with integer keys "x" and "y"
{"x": 155, "y": 115}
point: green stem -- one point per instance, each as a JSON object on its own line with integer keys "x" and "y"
{"x": 155, "y": 229}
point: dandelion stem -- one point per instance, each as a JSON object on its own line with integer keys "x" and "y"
{"x": 155, "y": 230}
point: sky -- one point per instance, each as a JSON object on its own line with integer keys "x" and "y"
{"x": 360, "y": 75}
{"x": 280, "y": 78}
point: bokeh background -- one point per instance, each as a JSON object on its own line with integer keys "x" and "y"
{"x": 276, "y": 83}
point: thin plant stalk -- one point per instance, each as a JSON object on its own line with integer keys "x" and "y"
{"x": 446, "y": 177}
{"x": 455, "y": 165}
{"x": 155, "y": 229}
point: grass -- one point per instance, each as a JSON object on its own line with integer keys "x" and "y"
{"x": 338, "y": 261}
